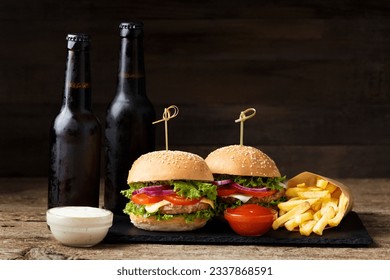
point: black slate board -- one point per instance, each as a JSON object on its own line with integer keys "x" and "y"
{"x": 350, "y": 233}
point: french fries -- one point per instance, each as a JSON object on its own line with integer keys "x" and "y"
{"x": 311, "y": 209}
{"x": 299, "y": 209}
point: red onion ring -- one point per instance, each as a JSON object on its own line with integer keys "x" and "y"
{"x": 254, "y": 189}
{"x": 223, "y": 182}
{"x": 154, "y": 190}
{"x": 167, "y": 192}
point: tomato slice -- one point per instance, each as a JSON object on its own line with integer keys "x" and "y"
{"x": 228, "y": 190}
{"x": 179, "y": 200}
{"x": 143, "y": 198}
{"x": 258, "y": 194}
{"x": 225, "y": 191}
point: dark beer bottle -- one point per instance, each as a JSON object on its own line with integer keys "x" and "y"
{"x": 75, "y": 136}
{"x": 129, "y": 131}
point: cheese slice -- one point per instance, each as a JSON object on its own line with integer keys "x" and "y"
{"x": 207, "y": 201}
{"x": 243, "y": 197}
{"x": 153, "y": 207}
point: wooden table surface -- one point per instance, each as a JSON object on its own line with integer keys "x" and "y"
{"x": 25, "y": 235}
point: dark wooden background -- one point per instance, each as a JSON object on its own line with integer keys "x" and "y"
{"x": 317, "y": 73}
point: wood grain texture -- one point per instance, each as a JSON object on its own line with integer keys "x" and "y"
{"x": 317, "y": 74}
{"x": 24, "y": 233}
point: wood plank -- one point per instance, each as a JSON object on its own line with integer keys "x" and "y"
{"x": 191, "y": 9}
{"x": 25, "y": 235}
{"x": 316, "y": 73}
{"x": 340, "y": 138}
{"x": 206, "y": 57}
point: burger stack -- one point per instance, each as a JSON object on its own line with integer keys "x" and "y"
{"x": 181, "y": 191}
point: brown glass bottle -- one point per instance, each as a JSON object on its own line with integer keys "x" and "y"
{"x": 129, "y": 131}
{"x": 75, "y": 136}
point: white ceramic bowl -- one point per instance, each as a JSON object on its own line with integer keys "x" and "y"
{"x": 79, "y": 226}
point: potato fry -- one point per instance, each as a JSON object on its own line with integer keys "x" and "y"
{"x": 342, "y": 207}
{"x": 288, "y": 205}
{"x": 329, "y": 213}
{"x": 290, "y": 214}
{"x": 291, "y": 224}
{"x": 282, "y": 212}
{"x": 317, "y": 205}
{"x": 300, "y": 219}
{"x": 329, "y": 202}
{"x": 331, "y": 188}
{"x": 313, "y": 194}
{"x": 321, "y": 183}
{"x": 307, "y": 227}
{"x": 314, "y": 189}
{"x": 293, "y": 192}
{"x": 317, "y": 215}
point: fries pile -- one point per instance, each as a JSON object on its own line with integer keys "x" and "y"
{"x": 312, "y": 208}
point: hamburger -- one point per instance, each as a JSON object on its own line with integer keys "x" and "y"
{"x": 245, "y": 175}
{"x": 170, "y": 191}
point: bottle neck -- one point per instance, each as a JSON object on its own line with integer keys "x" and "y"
{"x": 77, "y": 92}
{"x": 131, "y": 73}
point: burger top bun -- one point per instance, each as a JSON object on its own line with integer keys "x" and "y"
{"x": 169, "y": 165}
{"x": 242, "y": 161}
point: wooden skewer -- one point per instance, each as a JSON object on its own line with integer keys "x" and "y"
{"x": 167, "y": 115}
{"x": 243, "y": 117}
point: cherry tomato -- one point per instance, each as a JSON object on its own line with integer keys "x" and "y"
{"x": 179, "y": 200}
{"x": 143, "y": 198}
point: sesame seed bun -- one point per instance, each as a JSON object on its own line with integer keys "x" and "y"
{"x": 169, "y": 165}
{"x": 242, "y": 161}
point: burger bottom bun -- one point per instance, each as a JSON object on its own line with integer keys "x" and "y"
{"x": 174, "y": 224}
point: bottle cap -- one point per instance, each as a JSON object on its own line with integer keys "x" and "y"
{"x": 131, "y": 29}
{"x": 78, "y": 41}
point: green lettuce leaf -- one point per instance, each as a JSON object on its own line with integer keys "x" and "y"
{"x": 186, "y": 188}
{"x": 272, "y": 183}
{"x": 195, "y": 189}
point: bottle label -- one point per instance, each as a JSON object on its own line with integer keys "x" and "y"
{"x": 79, "y": 85}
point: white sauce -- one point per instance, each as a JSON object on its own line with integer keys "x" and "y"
{"x": 79, "y": 212}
